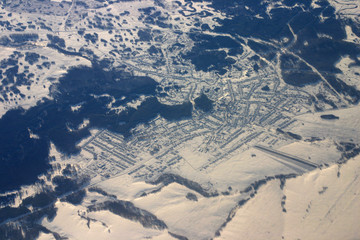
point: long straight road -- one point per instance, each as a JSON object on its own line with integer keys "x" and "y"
{"x": 289, "y": 158}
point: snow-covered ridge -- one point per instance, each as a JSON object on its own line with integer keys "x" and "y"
{"x": 322, "y": 204}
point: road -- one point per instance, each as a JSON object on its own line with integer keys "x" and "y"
{"x": 289, "y": 158}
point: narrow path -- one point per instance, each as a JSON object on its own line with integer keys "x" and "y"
{"x": 73, "y": 3}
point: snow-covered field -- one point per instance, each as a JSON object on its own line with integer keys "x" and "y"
{"x": 70, "y": 222}
{"x": 342, "y": 129}
{"x": 322, "y": 204}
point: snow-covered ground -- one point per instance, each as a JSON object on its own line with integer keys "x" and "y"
{"x": 39, "y": 89}
{"x": 216, "y": 150}
{"x": 343, "y": 129}
{"x": 70, "y": 222}
{"x": 346, "y": 8}
{"x": 322, "y": 204}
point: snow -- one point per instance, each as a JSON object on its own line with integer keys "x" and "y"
{"x": 105, "y": 225}
{"x": 345, "y": 128}
{"x": 46, "y": 236}
{"x": 346, "y": 8}
{"x": 349, "y": 71}
{"x": 351, "y": 36}
{"x": 319, "y": 152}
{"x": 260, "y": 218}
{"x": 191, "y": 153}
{"x": 5, "y": 52}
{"x": 76, "y": 107}
{"x": 32, "y": 135}
{"x": 125, "y": 188}
{"x": 319, "y": 205}
{"x": 40, "y": 89}
{"x": 197, "y": 219}
{"x": 136, "y": 102}
{"x": 243, "y": 169}
{"x": 332, "y": 214}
